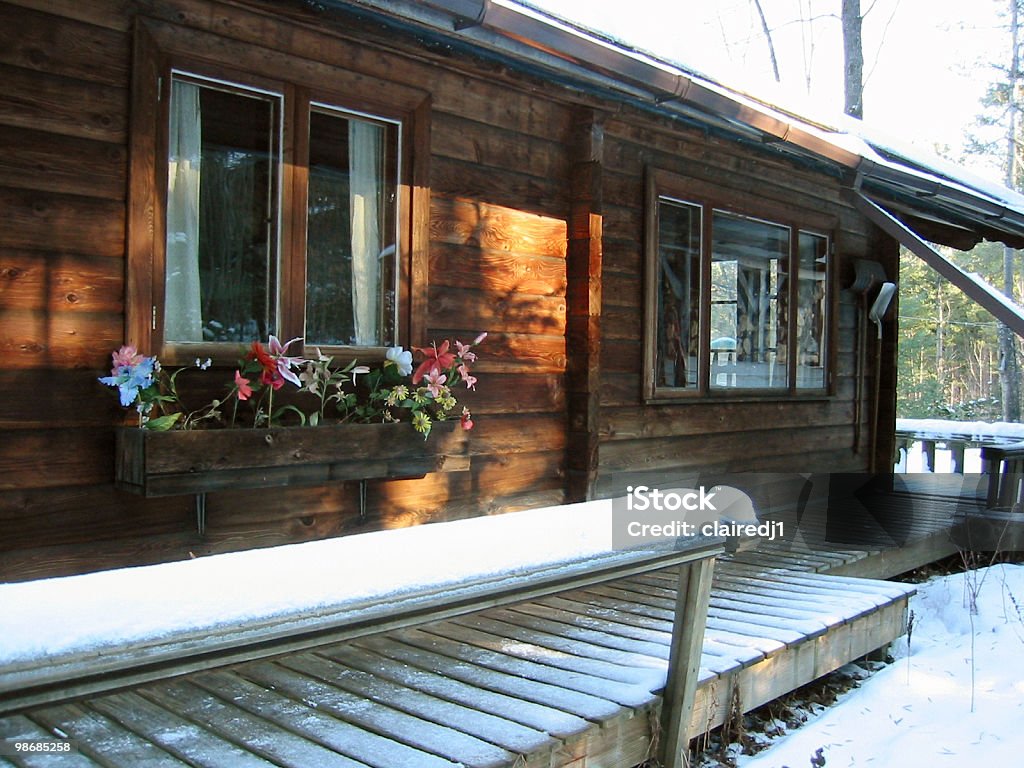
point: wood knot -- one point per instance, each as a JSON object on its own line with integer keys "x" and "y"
{"x": 268, "y": 439}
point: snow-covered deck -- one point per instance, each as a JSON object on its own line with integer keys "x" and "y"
{"x": 551, "y": 681}
{"x": 542, "y": 683}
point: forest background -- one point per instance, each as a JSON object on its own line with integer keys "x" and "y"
{"x": 941, "y": 75}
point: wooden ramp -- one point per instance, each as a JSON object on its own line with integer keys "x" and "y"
{"x": 564, "y": 681}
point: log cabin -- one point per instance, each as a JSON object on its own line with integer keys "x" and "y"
{"x": 624, "y": 229}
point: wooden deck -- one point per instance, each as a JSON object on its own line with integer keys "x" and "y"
{"x": 564, "y": 681}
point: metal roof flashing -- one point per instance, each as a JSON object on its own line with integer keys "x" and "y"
{"x": 568, "y": 53}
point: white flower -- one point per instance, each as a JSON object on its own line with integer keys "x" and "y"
{"x": 402, "y": 358}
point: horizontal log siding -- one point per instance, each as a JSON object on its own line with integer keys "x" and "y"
{"x": 498, "y": 176}
{"x": 675, "y": 443}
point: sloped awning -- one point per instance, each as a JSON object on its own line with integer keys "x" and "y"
{"x": 974, "y": 286}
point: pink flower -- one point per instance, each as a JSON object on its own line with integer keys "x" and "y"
{"x": 479, "y": 338}
{"x": 435, "y": 380}
{"x": 466, "y": 420}
{"x": 435, "y": 360}
{"x": 285, "y": 363}
{"x": 126, "y": 357}
{"x": 244, "y": 389}
{"x": 463, "y": 351}
{"x": 466, "y": 377}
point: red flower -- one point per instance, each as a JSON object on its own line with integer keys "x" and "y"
{"x": 261, "y": 356}
{"x": 271, "y": 378}
{"x": 435, "y": 360}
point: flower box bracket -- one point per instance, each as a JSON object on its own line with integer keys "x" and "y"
{"x": 181, "y": 462}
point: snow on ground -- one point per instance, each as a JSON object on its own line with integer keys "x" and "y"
{"x": 946, "y": 701}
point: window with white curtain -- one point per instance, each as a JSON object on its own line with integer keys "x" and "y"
{"x": 229, "y": 274}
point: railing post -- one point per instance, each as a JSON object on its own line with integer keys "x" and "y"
{"x": 928, "y": 455}
{"x": 694, "y": 591}
{"x": 958, "y": 448}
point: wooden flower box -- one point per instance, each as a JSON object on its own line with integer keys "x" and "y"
{"x": 153, "y": 463}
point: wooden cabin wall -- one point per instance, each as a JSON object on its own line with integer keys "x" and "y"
{"x": 535, "y": 236}
{"x": 498, "y": 217}
{"x": 680, "y": 442}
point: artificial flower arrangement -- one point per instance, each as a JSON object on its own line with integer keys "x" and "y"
{"x": 395, "y": 391}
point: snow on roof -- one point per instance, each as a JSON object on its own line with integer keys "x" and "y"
{"x": 937, "y": 187}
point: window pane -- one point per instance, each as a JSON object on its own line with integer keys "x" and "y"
{"x": 748, "y": 300}
{"x": 678, "y": 294}
{"x": 351, "y": 230}
{"x": 221, "y": 275}
{"x": 810, "y": 312}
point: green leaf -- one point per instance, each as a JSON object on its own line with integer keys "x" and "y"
{"x": 163, "y": 423}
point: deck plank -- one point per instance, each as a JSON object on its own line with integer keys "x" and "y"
{"x": 491, "y": 671}
{"x": 177, "y": 735}
{"x": 375, "y": 718}
{"x": 549, "y": 665}
{"x": 104, "y": 740}
{"x": 21, "y": 728}
{"x": 560, "y": 725}
{"x": 479, "y": 723}
{"x": 251, "y": 732}
{"x": 314, "y": 723}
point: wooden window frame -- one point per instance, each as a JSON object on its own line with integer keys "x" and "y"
{"x": 710, "y": 199}
{"x": 159, "y": 49}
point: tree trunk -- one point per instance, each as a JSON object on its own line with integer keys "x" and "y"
{"x": 853, "y": 58}
{"x": 1009, "y": 365}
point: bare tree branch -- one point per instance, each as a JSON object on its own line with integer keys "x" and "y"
{"x": 768, "y": 38}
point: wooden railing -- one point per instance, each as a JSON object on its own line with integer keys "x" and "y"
{"x": 1000, "y": 448}
{"x": 954, "y": 437}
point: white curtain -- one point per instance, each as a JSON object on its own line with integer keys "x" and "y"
{"x": 183, "y": 314}
{"x": 365, "y": 156}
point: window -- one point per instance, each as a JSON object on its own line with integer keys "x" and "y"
{"x": 723, "y": 312}
{"x": 284, "y": 205}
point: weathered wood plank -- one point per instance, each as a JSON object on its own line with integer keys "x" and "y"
{"x": 30, "y": 160}
{"x": 497, "y": 147}
{"x": 61, "y": 282}
{"x": 535, "y": 717}
{"x": 109, "y": 14}
{"x": 296, "y": 716}
{"x": 530, "y": 194}
{"x": 34, "y": 339}
{"x": 39, "y": 220}
{"x": 38, "y": 398}
{"x": 480, "y": 224}
{"x": 252, "y": 733}
{"x": 513, "y": 313}
{"x": 21, "y": 728}
{"x": 501, "y": 273}
{"x": 60, "y": 46}
{"x": 50, "y": 103}
{"x": 167, "y": 463}
{"x": 622, "y": 671}
{"x": 413, "y": 731}
{"x": 86, "y": 458}
{"x": 102, "y": 739}
{"x": 715, "y": 449}
{"x": 181, "y": 736}
{"x": 479, "y": 723}
{"x": 446, "y": 658}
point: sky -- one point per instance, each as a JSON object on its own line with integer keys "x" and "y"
{"x": 927, "y": 62}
